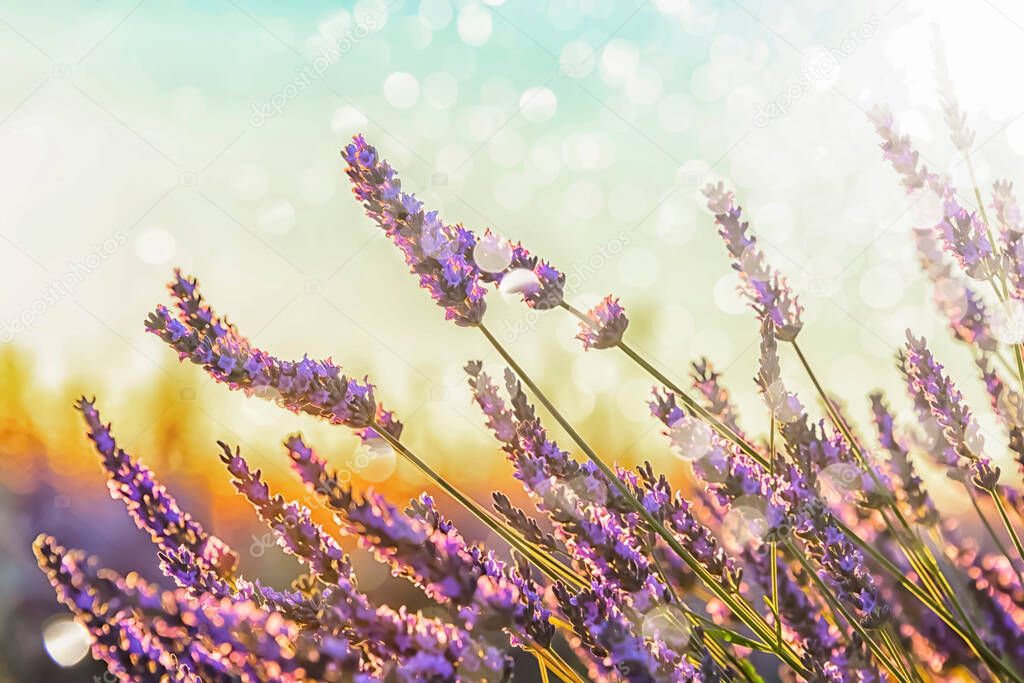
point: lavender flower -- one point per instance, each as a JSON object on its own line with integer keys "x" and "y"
{"x": 123, "y": 644}
{"x": 766, "y": 288}
{"x": 427, "y": 648}
{"x": 307, "y": 386}
{"x": 605, "y": 325}
{"x": 928, "y": 381}
{"x": 1008, "y": 216}
{"x": 1006, "y": 402}
{"x": 800, "y": 616}
{"x": 440, "y": 254}
{"x": 964, "y": 233}
{"x": 443, "y": 256}
{"x": 961, "y": 305}
{"x": 192, "y": 574}
{"x": 1004, "y": 202}
{"x": 611, "y": 635}
{"x": 235, "y": 639}
{"x": 433, "y": 556}
{"x": 788, "y": 503}
{"x": 913, "y": 491}
{"x": 960, "y": 134}
{"x": 595, "y": 524}
{"x": 718, "y": 402}
{"x": 149, "y": 504}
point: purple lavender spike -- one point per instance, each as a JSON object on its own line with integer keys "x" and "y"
{"x": 443, "y": 256}
{"x": 801, "y": 617}
{"x": 190, "y": 573}
{"x": 717, "y": 400}
{"x": 1006, "y": 402}
{"x": 960, "y": 134}
{"x": 605, "y": 326}
{"x": 426, "y": 646}
{"x": 765, "y": 287}
{"x": 929, "y": 383}
{"x": 593, "y": 522}
{"x": 959, "y": 303}
{"x": 596, "y": 525}
{"x": 912, "y": 489}
{"x": 677, "y": 514}
{"x": 431, "y": 553}
{"x": 1008, "y": 217}
{"x": 612, "y": 635}
{"x": 789, "y": 502}
{"x": 123, "y": 643}
{"x": 251, "y": 645}
{"x": 963, "y": 232}
{"x": 150, "y": 505}
{"x": 306, "y": 386}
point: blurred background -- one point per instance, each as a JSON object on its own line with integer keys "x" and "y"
{"x": 139, "y": 136}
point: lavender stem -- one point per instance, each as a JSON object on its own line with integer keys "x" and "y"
{"x": 735, "y": 602}
{"x": 711, "y": 419}
{"x": 838, "y": 607}
{"x": 550, "y": 566}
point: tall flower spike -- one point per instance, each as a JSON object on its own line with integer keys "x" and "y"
{"x": 123, "y": 644}
{"x": 432, "y": 555}
{"x": 765, "y": 287}
{"x": 595, "y": 524}
{"x": 960, "y": 134}
{"x": 150, "y": 505}
{"x": 912, "y": 490}
{"x": 427, "y": 647}
{"x": 788, "y": 501}
{"x": 1007, "y": 211}
{"x": 613, "y": 637}
{"x": 1008, "y": 217}
{"x": 306, "y": 386}
{"x": 718, "y": 402}
{"x": 605, "y": 325}
{"x": 238, "y": 640}
{"x": 445, "y": 256}
{"x": 192, "y": 574}
{"x": 441, "y": 255}
{"x": 801, "y": 616}
{"x": 959, "y": 303}
{"x": 929, "y": 382}
{"x": 1006, "y": 402}
{"x": 963, "y": 233}
{"x": 785, "y": 406}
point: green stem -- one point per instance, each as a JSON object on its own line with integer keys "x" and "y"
{"x": 1020, "y": 364}
{"x": 847, "y": 434}
{"x": 970, "y": 636}
{"x": 991, "y": 530}
{"x": 549, "y": 565}
{"x": 1010, "y": 530}
{"x": 774, "y": 546}
{"x": 723, "y": 429}
{"x": 732, "y": 599}
{"x": 837, "y": 606}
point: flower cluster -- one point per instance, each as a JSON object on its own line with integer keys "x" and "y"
{"x": 806, "y": 551}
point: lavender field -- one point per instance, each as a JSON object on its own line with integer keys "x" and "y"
{"x": 787, "y": 446}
